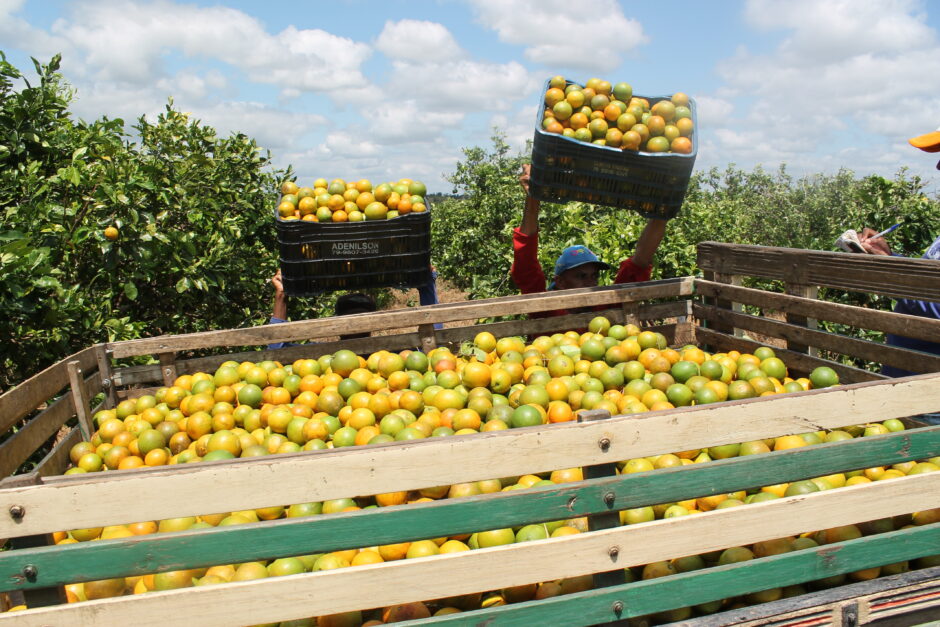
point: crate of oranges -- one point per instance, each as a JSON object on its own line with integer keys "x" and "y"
{"x": 339, "y": 235}
{"x": 599, "y": 143}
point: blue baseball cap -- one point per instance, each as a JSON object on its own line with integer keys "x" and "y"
{"x": 575, "y": 256}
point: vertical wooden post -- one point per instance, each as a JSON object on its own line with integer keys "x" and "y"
{"x": 796, "y": 285}
{"x": 35, "y": 597}
{"x": 80, "y": 398}
{"x": 428, "y": 337}
{"x": 630, "y": 309}
{"x": 609, "y": 519}
{"x": 730, "y": 279}
{"x": 103, "y": 355}
{"x": 168, "y": 368}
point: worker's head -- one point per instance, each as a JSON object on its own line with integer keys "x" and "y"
{"x": 928, "y": 143}
{"x": 353, "y": 304}
{"x": 577, "y": 267}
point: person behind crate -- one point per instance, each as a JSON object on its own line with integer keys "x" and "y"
{"x": 925, "y": 309}
{"x": 577, "y": 266}
{"x": 346, "y": 305}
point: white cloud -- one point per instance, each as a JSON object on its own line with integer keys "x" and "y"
{"x": 465, "y": 85}
{"x": 843, "y": 70}
{"x": 414, "y": 40}
{"x": 404, "y": 121}
{"x": 129, "y": 42}
{"x": 554, "y": 31}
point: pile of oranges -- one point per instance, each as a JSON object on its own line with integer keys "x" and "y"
{"x": 252, "y": 409}
{"x": 342, "y": 201}
{"x": 610, "y": 115}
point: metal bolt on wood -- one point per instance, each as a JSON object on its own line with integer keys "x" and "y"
{"x": 17, "y": 512}
{"x": 30, "y": 572}
{"x": 609, "y": 499}
{"x": 613, "y": 552}
{"x": 617, "y": 607}
{"x": 604, "y": 444}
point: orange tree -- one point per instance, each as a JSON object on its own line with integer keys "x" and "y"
{"x": 105, "y": 235}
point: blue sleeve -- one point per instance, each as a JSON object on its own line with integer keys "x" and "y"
{"x": 427, "y": 294}
{"x": 279, "y": 344}
{"x": 923, "y": 308}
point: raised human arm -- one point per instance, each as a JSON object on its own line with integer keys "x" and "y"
{"x": 648, "y": 243}
{"x": 530, "y": 213}
{"x": 280, "y": 298}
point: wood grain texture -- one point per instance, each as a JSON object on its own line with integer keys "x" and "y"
{"x": 403, "y": 318}
{"x": 286, "y": 598}
{"x": 859, "y": 317}
{"x": 898, "y": 277}
{"x": 321, "y": 534}
{"x": 796, "y": 362}
{"x": 353, "y": 471}
{"x": 38, "y": 389}
{"x": 450, "y": 337}
{"x": 19, "y": 447}
{"x": 914, "y": 361}
{"x": 666, "y": 593}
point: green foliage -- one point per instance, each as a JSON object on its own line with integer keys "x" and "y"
{"x": 472, "y": 232}
{"x": 196, "y": 237}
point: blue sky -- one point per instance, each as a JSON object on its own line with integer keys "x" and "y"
{"x": 386, "y": 89}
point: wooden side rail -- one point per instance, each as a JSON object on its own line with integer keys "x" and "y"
{"x": 448, "y": 575}
{"x": 397, "y": 319}
{"x": 897, "y": 277}
{"x": 271, "y": 481}
{"x": 89, "y": 561}
{"x": 679, "y": 333}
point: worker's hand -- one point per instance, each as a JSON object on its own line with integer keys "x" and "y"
{"x": 524, "y": 177}
{"x": 876, "y": 246}
{"x": 278, "y": 283}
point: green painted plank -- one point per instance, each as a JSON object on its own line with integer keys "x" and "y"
{"x": 89, "y": 561}
{"x": 666, "y": 593}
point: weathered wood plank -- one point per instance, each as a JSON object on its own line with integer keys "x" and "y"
{"x": 80, "y": 397}
{"x": 796, "y": 362}
{"x": 898, "y": 277}
{"x": 19, "y": 447}
{"x": 666, "y": 593}
{"x": 148, "y": 554}
{"x": 403, "y": 318}
{"x": 271, "y": 481}
{"x": 908, "y": 593}
{"x": 860, "y": 317}
{"x": 441, "y": 576}
{"x": 914, "y": 361}
{"x": 38, "y": 389}
{"x": 103, "y": 356}
{"x": 57, "y": 460}
{"x": 452, "y": 337}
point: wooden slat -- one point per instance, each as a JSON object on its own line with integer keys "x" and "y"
{"x": 796, "y": 362}
{"x": 103, "y": 356}
{"x": 80, "y": 399}
{"x": 57, "y": 461}
{"x": 271, "y": 481}
{"x": 914, "y": 361}
{"x": 916, "y": 590}
{"x": 453, "y": 336}
{"x": 396, "y": 319}
{"x": 321, "y": 534}
{"x": 19, "y": 447}
{"x": 898, "y": 277}
{"x": 38, "y": 389}
{"x": 692, "y": 588}
{"x": 859, "y": 317}
{"x": 287, "y": 598}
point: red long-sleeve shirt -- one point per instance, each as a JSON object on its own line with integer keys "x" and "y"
{"x": 527, "y": 272}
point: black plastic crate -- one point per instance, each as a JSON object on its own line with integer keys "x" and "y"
{"x": 318, "y": 257}
{"x": 652, "y": 184}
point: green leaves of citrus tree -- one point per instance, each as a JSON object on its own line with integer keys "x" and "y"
{"x": 195, "y": 236}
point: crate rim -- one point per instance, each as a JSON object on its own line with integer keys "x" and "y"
{"x": 658, "y": 155}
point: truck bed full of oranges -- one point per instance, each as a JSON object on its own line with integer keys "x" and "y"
{"x": 253, "y": 409}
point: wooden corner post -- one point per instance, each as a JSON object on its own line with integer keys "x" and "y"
{"x": 610, "y": 518}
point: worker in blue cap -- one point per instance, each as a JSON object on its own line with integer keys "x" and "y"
{"x": 577, "y": 266}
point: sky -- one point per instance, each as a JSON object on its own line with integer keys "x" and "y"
{"x": 386, "y": 89}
